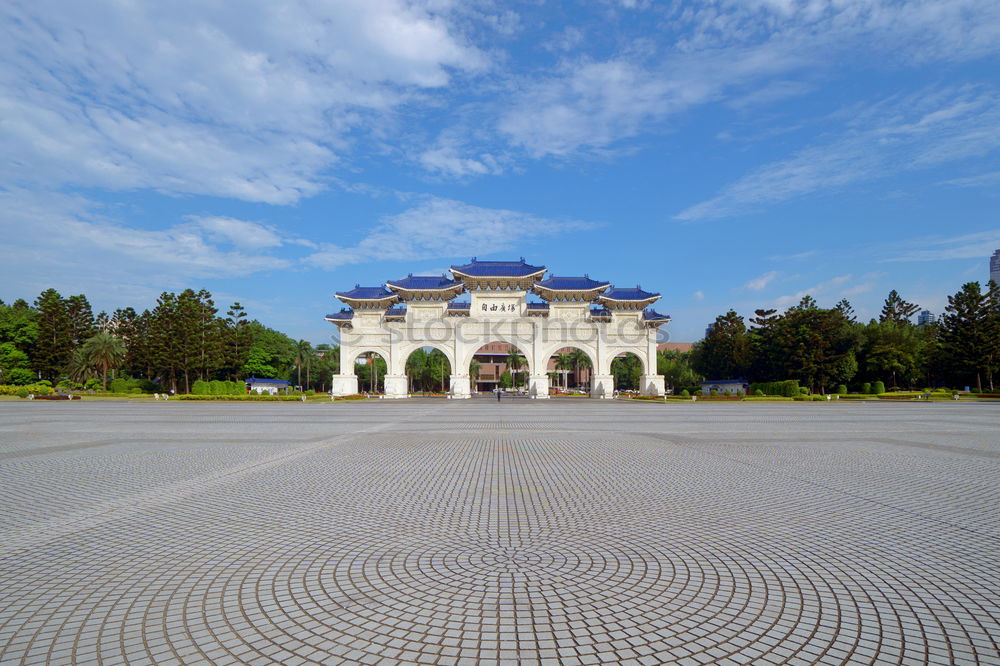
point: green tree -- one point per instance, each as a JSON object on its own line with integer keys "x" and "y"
{"x": 303, "y": 357}
{"x": 893, "y": 348}
{"x": 725, "y": 351}
{"x": 580, "y": 361}
{"x": 514, "y": 362}
{"x": 564, "y": 363}
{"x": 54, "y": 344}
{"x": 897, "y": 310}
{"x": 627, "y": 370}
{"x": 236, "y": 337}
{"x": 103, "y": 352}
{"x": 14, "y": 365}
{"x": 965, "y": 332}
{"x": 675, "y": 366}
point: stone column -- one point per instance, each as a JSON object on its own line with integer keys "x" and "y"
{"x": 538, "y": 387}
{"x": 344, "y": 385}
{"x": 461, "y": 387}
{"x": 396, "y": 386}
{"x": 602, "y": 386}
{"x": 652, "y": 385}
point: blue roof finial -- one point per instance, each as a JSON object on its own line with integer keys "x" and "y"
{"x": 522, "y": 260}
{"x": 410, "y": 275}
{"x": 357, "y": 285}
{"x": 586, "y": 275}
{"x": 473, "y": 260}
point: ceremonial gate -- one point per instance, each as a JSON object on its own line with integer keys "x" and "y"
{"x": 401, "y": 316}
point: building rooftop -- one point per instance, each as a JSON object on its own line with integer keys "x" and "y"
{"x": 476, "y": 268}
{"x": 423, "y": 283}
{"x": 345, "y": 314}
{"x": 572, "y": 284}
{"x": 628, "y": 294}
{"x": 653, "y": 315}
{"x": 360, "y": 293}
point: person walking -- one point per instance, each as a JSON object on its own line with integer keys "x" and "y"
{"x": 498, "y": 394}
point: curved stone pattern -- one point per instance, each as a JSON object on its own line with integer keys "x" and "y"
{"x": 476, "y": 533}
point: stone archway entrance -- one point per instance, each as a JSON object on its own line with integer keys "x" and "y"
{"x": 508, "y": 302}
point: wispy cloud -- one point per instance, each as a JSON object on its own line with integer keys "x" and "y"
{"x": 990, "y": 179}
{"x": 252, "y": 105}
{"x": 836, "y": 288}
{"x": 438, "y": 228}
{"x": 759, "y": 283}
{"x": 897, "y": 134}
{"x": 965, "y": 246}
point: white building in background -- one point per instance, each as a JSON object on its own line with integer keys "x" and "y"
{"x": 995, "y": 267}
{"x": 400, "y": 316}
{"x": 925, "y": 318}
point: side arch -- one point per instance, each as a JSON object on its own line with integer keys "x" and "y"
{"x": 639, "y": 352}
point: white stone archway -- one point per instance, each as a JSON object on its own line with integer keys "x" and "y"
{"x": 401, "y": 316}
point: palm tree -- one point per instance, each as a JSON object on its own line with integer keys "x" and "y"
{"x": 303, "y": 352}
{"x": 580, "y": 360}
{"x": 104, "y": 352}
{"x": 564, "y": 363}
{"x": 514, "y": 362}
{"x": 474, "y": 373}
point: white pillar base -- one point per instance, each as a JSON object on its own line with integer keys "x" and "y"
{"x": 396, "y": 386}
{"x": 602, "y": 386}
{"x": 460, "y": 387}
{"x": 538, "y": 387}
{"x": 344, "y": 385}
{"x": 652, "y": 385}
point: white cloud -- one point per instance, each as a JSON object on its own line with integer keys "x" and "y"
{"x": 251, "y": 104}
{"x": 731, "y": 50}
{"x": 698, "y": 295}
{"x": 990, "y": 179}
{"x": 443, "y": 228}
{"x": 900, "y": 133}
{"x": 978, "y": 245}
{"x": 759, "y": 283}
{"x": 242, "y": 234}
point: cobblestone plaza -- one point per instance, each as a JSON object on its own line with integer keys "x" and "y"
{"x": 524, "y": 532}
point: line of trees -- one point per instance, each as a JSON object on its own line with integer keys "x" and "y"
{"x": 826, "y": 347}
{"x": 182, "y": 340}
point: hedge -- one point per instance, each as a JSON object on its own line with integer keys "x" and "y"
{"x": 788, "y": 388}
{"x": 26, "y": 390}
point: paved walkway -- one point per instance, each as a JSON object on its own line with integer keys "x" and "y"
{"x": 439, "y": 532}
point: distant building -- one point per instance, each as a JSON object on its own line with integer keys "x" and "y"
{"x": 709, "y": 329}
{"x": 725, "y": 387}
{"x": 682, "y": 347}
{"x": 267, "y": 385}
{"x": 995, "y": 267}
{"x": 925, "y": 318}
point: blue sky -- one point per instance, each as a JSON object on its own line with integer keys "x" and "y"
{"x": 727, "y": 154}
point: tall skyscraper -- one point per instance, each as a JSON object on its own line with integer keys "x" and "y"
{"x": 995, "y": 267}
{"x": 925, "y": 317}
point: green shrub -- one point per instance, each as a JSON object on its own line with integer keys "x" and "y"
{"x": 758, "y": 392}
{"x": 818, "y": 397}
{"x": 866, "y": 388}
{"x": 841, "y": 389}
{"x": 788, "y": 388}
{"x": 878, "y": 388}
{"x": 22, "y": 392}
{"x": 713, "y": 392}
{"x": 19, "y": 376}
{"x": 685, "y": 393}
{"x": 803, "y": 390}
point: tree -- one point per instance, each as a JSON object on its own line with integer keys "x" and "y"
{"x": 303, "y": 356}
{"x": 564, "y": 363}
{"x": 627, "y": 370}
{"x": 103, "y": 352}
{"x": 896, "y": 309}
{"x": 236, "y": 338}
{"x": 54, "y": 344}
{"x": 725, "y": 351}
{"x": 675, "y": 366}
{"x": 891, "y": 348}
{"x": 14, "y": 365}
{"x": 965, "y": 332}
{"x": 514, "y": 362}
{"x": 80, "y": 319}
{"x": 580, "y": 360}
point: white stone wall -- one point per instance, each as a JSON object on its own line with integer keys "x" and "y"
{"x": 500, "y": 316}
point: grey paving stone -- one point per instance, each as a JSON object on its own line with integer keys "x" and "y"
{"x": 439, "y": 532}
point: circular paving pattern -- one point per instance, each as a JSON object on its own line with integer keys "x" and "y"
{"x": 515, "y": 547}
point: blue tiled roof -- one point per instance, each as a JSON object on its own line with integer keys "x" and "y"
{"x": 267, "y": 380}
{"x": 630, "y": 294}
{"x": 477, "y": 268}
{"x": 725, "y": 381}
{"x": 459, "y": 305}
{"x": 571, "y": 283}
{"x": 396, "y": 312}
{"x": 600, "y": 312}
{"x": 345, "y": 313}
{"x": 653, "y": 315}
{"x": 423, "y": 282}
{"x": 360, "y": 293}
{"x": 538, "y": 306}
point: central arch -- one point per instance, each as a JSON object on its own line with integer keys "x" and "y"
{"x": 582, "y": 365}
{"x": 419, "y": 366}
{"x": 494, "y": 360}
